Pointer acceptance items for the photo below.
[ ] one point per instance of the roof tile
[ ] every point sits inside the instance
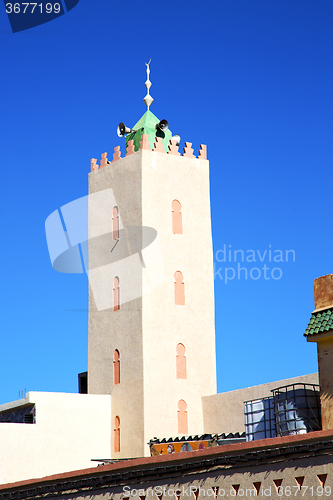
(320, 322)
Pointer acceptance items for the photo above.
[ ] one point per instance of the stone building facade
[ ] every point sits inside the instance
(289, 467)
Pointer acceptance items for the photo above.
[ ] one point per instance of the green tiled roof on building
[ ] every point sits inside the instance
(320, 322)
(147, 125)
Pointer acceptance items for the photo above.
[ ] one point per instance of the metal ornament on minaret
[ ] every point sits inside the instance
(148, 100)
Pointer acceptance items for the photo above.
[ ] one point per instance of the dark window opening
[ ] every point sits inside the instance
(83, 383)
(29, 418)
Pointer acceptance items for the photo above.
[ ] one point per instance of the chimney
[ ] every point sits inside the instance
(323, 291)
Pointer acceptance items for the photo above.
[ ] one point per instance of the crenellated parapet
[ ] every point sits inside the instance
(116, 154)
(173, 149)
(202, 152)
(94, 165)
(188, 151)
(130, 148)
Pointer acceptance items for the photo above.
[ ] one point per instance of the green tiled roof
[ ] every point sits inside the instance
(147, 125)
(320, 322)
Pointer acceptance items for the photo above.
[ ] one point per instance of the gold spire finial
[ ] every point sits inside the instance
(148, 100)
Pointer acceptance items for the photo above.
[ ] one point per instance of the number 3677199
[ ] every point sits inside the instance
(30, 8)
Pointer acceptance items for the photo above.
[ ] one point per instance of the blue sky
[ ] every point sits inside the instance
(253, 81)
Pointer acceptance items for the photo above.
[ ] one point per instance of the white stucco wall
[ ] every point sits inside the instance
(70, 430)
(165, 178)
(147, 330)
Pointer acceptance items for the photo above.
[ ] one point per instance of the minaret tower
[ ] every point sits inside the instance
(151, 286)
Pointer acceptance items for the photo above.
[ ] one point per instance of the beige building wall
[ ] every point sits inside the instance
(70, 431)
(165, 178)
(224, 412)
(122, 329)
(146, 330)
